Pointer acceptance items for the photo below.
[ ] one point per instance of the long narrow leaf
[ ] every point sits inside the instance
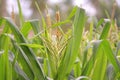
(72, 50)
(28, 52)
(20, 13)
(105, 31)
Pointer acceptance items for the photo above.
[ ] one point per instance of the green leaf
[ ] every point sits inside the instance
(26, 28)
(20, 13)
(98, 61)
(60, 23)
(5, 68)
(32, 45)
(1, 21)
(110, 55)
(43, 20)
(73, 47)
(72, 13)
(107, 14)
(100, 22)
(105, 31)
(91, 30)
(35, 26)
(23, 61)
(77, 69)
(39, 74)
(100, 64)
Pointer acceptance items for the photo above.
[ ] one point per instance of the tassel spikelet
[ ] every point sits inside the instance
(48, 22)
(58, 16)
(57, 31)
(13, 14)
(113, 10)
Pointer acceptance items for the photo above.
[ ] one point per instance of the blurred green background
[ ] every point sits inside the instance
(97, 8)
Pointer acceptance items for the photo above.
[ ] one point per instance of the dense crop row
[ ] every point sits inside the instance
(52, 54)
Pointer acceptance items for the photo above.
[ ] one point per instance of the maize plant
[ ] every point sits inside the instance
(53, 54)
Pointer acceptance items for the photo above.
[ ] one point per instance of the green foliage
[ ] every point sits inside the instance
(73, 45)
(73, 55)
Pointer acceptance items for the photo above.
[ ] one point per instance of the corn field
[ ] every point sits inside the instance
(52, 54)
